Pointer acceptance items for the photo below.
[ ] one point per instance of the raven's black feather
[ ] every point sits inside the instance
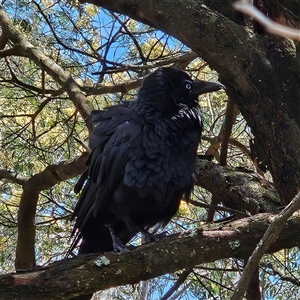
(142, 160)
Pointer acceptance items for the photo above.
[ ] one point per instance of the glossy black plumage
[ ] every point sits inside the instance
(142, 161)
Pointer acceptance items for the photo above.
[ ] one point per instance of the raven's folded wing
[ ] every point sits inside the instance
(114, 142)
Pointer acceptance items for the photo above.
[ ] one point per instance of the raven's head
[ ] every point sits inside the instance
(168, 87)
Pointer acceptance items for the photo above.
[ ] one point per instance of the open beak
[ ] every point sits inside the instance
(201, 87)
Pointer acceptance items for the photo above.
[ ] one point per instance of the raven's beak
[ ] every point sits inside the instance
(200, 87)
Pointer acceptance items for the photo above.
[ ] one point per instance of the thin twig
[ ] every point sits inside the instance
(270, 26)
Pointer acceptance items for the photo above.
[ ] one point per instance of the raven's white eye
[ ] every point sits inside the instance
(188, 86)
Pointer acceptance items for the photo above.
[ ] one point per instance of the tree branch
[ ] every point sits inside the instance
(124, 87)
(181, 279)
(16, 50)
(25, 252)
(269, 25)
(276, 271)
(86, 274)
(13, 177)
(247, 192)
(225, 133)
(267, 240)
(47, 64)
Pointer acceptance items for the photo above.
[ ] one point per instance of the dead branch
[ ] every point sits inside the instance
(269, 25)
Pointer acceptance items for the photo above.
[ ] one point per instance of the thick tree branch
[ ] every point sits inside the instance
(25, 253)
(89, 273)
(236, 189)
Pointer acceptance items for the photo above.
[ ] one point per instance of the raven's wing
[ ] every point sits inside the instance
(114, 141)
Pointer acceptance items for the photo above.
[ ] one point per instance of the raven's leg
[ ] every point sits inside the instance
(117, 243)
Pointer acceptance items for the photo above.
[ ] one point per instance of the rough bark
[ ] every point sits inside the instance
(237, 189)
(260, 73)
(89, 273)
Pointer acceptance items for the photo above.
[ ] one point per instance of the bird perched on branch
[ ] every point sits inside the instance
(142, 162)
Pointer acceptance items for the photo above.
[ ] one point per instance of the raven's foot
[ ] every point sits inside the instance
(118, 245)
(152, 237)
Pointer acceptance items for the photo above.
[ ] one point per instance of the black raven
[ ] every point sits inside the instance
(142, 161)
